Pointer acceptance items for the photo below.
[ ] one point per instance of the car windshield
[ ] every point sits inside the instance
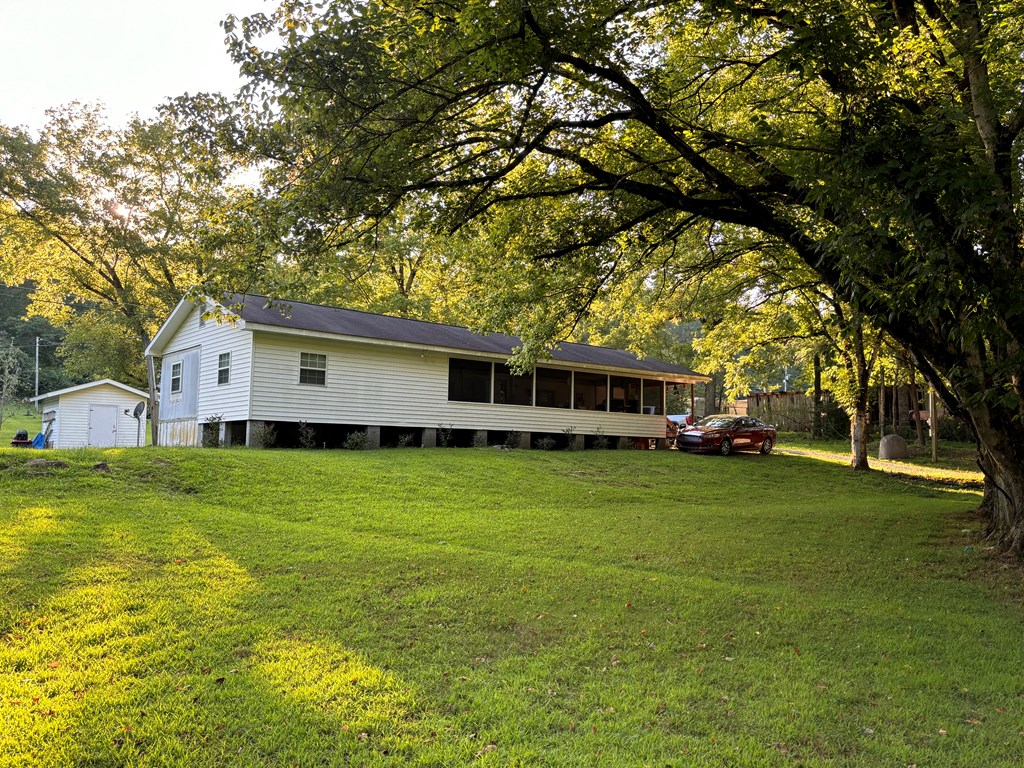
(716, 422)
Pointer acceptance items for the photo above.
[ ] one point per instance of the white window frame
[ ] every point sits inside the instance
(180, 366)
(307, 363)
(224, 366)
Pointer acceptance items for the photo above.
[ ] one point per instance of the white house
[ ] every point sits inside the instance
(101, 414)
(230, 365)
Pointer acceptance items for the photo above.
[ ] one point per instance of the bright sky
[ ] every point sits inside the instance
(128, 54)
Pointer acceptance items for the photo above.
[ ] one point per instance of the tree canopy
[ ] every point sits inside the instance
(878, 141)
(114, 226)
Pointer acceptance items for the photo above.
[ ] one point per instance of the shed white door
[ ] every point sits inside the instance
(102, 426)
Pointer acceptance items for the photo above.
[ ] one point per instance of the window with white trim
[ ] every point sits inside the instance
(312, 368)
(224, 368)
(176, 378)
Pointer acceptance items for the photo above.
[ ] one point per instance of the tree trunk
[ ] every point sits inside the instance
(859, 422)
(154, 401)
(915, 405)
(1003, 502)
(896, 420)
(859, 440)
(816, 421)
(881, 402)
(998, 427)
(709, 396)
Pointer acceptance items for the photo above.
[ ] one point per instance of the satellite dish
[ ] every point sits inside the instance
(139, 409)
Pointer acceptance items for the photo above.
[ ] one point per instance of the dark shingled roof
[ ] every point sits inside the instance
(350, 322)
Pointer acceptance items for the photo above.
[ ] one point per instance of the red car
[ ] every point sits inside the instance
(726, 434)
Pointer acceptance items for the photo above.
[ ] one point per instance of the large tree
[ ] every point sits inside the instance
(879, 141)
(113, 226)
(769, 307)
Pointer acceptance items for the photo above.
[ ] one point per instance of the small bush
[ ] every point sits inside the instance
(356, 441)
(211, 431)
(570, 438)
(600, 442)
(262, 435)
(513, 439)
(307, 435)
(444, 435)
(546, 443)
(407, 440)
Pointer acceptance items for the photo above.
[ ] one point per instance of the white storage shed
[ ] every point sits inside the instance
(100, 414)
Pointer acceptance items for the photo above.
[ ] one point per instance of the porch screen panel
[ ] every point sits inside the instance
(512, 388)
(654, 397)
(625, 394)
(553, 387)
(469, 381)
(590, 391)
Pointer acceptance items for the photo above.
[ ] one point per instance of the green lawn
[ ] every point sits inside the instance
(457, 607)
(952, 454)
(15, 419)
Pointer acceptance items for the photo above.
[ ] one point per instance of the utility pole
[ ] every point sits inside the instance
(37, 374)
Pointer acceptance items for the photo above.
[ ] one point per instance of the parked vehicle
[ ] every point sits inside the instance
(726, 434)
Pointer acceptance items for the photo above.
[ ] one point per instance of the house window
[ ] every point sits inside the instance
(553, 387)
(591, 392)
(312, 369)
(224, 368)
(654, 397)
(625, 394)
(176, 378)
(512, 388)
(469, 381)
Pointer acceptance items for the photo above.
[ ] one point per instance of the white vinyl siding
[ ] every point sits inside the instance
(230, 400)
(375, 384)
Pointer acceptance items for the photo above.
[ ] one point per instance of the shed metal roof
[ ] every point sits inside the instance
(349, 322)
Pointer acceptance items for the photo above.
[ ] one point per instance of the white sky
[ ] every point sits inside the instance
(128, 54)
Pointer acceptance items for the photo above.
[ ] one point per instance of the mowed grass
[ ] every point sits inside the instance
(477, 607)
(17, 419)
(953, 455)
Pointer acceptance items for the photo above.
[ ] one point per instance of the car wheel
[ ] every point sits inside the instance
(766, 446)
(725, 447)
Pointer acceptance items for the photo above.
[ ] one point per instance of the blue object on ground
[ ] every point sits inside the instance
(39, 441)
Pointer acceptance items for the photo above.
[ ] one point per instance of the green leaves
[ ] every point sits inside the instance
(113, 226)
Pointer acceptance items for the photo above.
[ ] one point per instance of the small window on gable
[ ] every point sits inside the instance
(176, 378)
(224, 368)
(312, 369)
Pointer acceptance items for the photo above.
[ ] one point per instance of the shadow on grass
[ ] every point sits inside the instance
(141, 654)
(574, 617)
